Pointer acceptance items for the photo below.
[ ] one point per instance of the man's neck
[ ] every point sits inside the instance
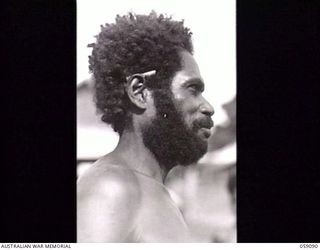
(132, 151)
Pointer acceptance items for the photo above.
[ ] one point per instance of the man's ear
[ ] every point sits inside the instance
(137, 92)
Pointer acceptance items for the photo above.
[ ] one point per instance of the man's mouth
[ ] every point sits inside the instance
(205, 123)
(204, 126)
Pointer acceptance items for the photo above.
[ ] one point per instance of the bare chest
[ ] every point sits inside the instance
(159, 219)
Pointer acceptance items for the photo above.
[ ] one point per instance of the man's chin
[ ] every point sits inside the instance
(204, 134)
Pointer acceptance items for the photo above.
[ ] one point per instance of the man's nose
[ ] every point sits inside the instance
(206, 108)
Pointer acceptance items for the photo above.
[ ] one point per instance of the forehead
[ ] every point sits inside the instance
(189, 71)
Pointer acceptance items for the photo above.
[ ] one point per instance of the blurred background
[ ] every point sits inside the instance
(205, 192)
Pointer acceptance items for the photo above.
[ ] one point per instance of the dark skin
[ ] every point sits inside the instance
(122, 197)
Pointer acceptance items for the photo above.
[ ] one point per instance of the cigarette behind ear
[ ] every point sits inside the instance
(150, 73)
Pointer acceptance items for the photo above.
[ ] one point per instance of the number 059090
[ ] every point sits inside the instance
(308, 245)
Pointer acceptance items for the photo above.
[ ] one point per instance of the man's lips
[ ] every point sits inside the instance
(205, 126)
(205, 123)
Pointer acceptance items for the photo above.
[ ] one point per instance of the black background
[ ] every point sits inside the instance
(39, 94)
(277, 121)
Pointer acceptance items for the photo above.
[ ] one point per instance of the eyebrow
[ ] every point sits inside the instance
(196, 81)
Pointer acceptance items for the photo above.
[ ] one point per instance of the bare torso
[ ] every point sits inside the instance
(119, 204)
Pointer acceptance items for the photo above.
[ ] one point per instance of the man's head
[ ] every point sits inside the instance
(166, 108)
(134, 44)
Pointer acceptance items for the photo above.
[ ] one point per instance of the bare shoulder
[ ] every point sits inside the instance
(108, 180)
(108, 198)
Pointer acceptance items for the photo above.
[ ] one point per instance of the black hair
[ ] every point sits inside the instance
(134, 44)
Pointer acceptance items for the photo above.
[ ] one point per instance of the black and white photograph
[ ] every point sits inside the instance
(136, 121)
(156, 121)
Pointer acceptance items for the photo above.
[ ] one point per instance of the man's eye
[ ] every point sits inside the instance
(194, 89)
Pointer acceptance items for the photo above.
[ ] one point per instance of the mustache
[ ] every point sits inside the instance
(203, 123)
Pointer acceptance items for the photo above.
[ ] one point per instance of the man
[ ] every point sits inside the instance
(149, 88)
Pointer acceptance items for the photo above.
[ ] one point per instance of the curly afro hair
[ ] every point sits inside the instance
(134, 44)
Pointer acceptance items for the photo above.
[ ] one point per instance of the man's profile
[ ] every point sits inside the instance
(149, 88)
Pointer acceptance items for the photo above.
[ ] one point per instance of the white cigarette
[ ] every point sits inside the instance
(150, 73)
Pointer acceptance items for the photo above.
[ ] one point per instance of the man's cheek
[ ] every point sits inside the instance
(189, 122)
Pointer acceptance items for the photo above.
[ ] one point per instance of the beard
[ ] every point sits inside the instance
(168, 137)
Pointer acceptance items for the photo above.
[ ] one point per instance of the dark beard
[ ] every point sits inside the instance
(168, 138)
